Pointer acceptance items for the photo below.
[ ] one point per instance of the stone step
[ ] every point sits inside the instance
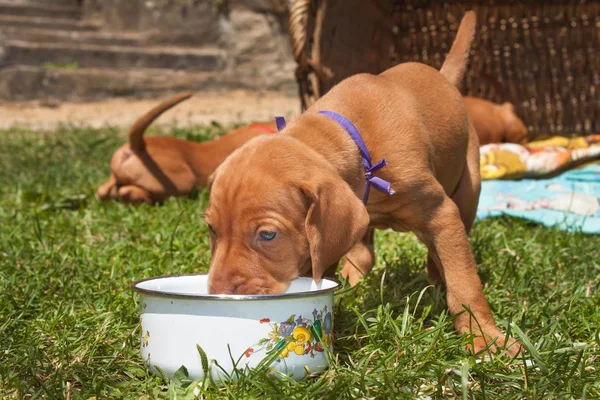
(70, 36)
(23, 83)
(39, 9)
(16, 21)
(99, 56)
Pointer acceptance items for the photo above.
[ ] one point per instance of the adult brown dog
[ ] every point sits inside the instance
(287, 205)
(495, 123)
(153, 169)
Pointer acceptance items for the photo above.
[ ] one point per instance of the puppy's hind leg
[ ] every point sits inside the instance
(443, 232)
(466, 198)
(446, 238)
(134, 195)
(466, 195)
(360, 259)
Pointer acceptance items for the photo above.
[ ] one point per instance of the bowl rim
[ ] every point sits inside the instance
(229, 297)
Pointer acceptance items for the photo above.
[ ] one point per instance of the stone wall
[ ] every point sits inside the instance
(253, 33)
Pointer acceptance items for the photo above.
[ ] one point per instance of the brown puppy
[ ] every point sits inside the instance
(153, 169)
(495, 123)
(290, 204)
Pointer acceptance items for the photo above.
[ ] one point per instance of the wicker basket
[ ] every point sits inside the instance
(543, 56)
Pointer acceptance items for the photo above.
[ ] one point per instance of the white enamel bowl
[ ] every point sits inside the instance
(177, 315)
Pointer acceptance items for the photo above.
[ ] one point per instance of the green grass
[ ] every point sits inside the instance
(69, 322)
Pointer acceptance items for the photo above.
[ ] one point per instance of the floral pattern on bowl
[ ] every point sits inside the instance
(297, 335)
(145, 339)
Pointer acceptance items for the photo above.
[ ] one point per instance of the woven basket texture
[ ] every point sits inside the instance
(543, 56)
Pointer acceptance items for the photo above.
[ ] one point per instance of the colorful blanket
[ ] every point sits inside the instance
(537, 159)
(569, 201)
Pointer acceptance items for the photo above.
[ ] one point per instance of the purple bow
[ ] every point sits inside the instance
(379, 184)
(280, 122)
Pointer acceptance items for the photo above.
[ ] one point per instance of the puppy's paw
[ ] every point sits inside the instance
(108, 191)
(358, 262)
(351, 272)
(494, 341)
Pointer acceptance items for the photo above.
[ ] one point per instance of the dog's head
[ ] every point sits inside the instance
(278, 210)
(515, 130)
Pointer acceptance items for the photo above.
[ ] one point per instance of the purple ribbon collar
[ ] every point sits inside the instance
(379, 184)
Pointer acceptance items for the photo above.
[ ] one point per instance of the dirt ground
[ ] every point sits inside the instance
(224, 107)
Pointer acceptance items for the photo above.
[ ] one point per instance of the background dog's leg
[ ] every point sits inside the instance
(108, 190)
(134, 194)
(360, 259)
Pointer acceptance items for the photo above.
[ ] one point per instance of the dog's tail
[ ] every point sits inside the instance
(136, 132)
(454, 65)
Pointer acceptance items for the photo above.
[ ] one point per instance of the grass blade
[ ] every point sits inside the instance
(530, 348)
(464, 379)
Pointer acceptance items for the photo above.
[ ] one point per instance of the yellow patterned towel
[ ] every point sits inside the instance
(540, 158)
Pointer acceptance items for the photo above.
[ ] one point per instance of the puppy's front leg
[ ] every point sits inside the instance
(445, 236)
(360, 259)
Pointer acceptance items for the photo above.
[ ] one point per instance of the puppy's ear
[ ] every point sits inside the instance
(336, 220)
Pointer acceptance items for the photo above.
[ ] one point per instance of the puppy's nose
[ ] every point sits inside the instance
(223, 286)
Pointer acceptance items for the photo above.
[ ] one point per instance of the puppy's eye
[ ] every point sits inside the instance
(266, 235)
(211, 229)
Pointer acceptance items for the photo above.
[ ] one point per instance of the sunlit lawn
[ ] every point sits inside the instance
(69, 321)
